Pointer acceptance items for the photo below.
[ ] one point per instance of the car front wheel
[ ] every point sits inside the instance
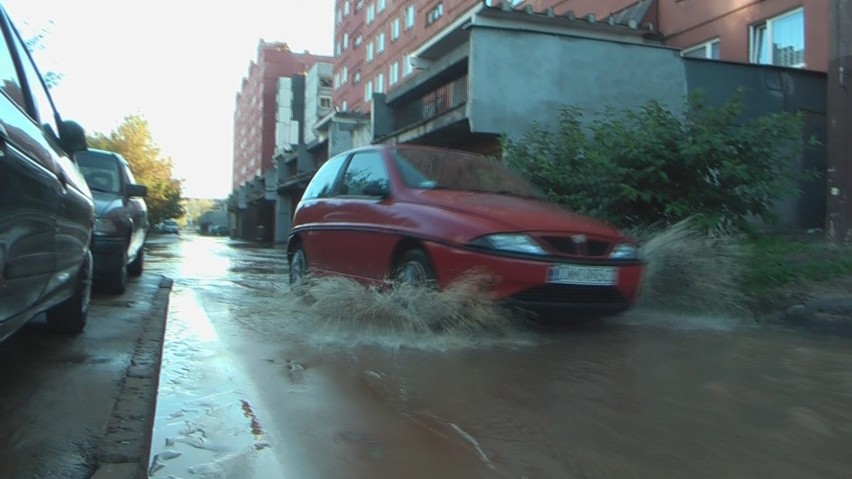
(137, 265)
(70, 315)
(298, 267)
(415, 269)
(116, 280)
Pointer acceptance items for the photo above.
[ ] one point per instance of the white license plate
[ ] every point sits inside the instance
(587, 275)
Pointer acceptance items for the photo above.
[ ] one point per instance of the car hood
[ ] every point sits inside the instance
(511, 213)
(105, 202)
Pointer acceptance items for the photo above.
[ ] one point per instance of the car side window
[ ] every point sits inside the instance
(9, 82)
(365, 169)
(44, 112)
(322, 185)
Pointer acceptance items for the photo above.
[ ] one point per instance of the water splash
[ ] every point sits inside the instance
(340, 310)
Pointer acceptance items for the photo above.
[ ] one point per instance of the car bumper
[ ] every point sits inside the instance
(108, 254)
(522, 283)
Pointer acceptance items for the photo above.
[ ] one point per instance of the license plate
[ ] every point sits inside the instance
(586, 275)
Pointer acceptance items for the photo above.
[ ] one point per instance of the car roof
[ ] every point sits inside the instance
(97, 152)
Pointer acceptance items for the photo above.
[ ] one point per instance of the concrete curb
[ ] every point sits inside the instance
(124, 449)
(831, 315)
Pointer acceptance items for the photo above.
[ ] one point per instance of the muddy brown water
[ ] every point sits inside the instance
(345, 387)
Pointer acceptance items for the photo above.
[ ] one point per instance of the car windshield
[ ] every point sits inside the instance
(100, 171)
(426, 168)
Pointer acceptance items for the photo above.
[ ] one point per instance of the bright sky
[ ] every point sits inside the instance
(179, 63)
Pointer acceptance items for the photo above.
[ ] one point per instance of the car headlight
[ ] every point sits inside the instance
(625, 252)
(104, 226)
(515, 243)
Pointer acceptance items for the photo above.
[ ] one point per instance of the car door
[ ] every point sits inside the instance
(74, 217)
(316, 202)
(359, 240)
(30, 191)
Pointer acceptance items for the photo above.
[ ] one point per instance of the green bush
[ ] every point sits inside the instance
(646, 166)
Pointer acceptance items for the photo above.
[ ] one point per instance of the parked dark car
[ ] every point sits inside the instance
(121, 217)
(46, 209)
(428, 215)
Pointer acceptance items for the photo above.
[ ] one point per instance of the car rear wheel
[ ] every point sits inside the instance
(116, 280)
(137, 265)
(298, 267)
(414, 268)
(70, 315)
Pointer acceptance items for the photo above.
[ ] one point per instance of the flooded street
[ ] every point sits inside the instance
(257, 382)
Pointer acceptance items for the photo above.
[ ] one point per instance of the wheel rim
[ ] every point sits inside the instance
(412, 273)
(297, 267)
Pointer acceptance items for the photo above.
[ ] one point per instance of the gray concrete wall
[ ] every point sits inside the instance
(517, 77)
(770, 90)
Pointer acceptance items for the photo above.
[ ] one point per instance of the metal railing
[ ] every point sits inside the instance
(431, 105)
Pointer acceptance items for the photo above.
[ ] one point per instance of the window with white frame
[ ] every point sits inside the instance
(368, 92)
(358, 41)
(395, 28)
(339, 15)
(344, 75)
(345, 41)
(337, 49)
(708, 50)
(409, 17)
(434, 14)
(371, 12)
(380, 83)
(356, 78)
(407, 67)
(370, 52)
(393, 73)
(382, 5)
(347, 6)
(336, 81)
(780, 40)
(380, 43)
(344, 106)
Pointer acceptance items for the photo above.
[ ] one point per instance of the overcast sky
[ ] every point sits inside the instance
(179, 63)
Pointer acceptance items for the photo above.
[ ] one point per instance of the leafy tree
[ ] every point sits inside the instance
(36, 42)
(132, 139)
(647, 166)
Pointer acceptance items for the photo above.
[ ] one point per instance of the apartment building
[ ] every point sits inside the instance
(256, 107)
(267, 119)
(374, 39)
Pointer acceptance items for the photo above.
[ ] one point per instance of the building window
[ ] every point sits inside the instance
(395, 29)
(380, 43)
(344, 106)
(345, 41)
(382, 5)
(325, 102)
(339, 16)
(380, 83)
(409, 17)
(371, 12)
(337, 49)
(370, 52)
(708, 50)
(344, 75)
(433, 15)
(336, 81)
(368, 92)
(347, 5)
(780, 40)
(358, 41)
(356, 78)
(393, 73)
(407, 67)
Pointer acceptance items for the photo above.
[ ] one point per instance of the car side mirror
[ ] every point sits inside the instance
(72, 136)
(377, 188)
(137, 190)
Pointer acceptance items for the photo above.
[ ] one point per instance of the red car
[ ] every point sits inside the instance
(425, 214)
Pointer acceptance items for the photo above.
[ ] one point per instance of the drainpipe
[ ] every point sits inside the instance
(839, 123)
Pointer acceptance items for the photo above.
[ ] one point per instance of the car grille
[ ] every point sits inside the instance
(570, 294)
(568, 246)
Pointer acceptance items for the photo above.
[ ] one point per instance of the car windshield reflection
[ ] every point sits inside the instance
(427, 169)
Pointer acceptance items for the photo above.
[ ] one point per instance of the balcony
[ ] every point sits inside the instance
(434, 103)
